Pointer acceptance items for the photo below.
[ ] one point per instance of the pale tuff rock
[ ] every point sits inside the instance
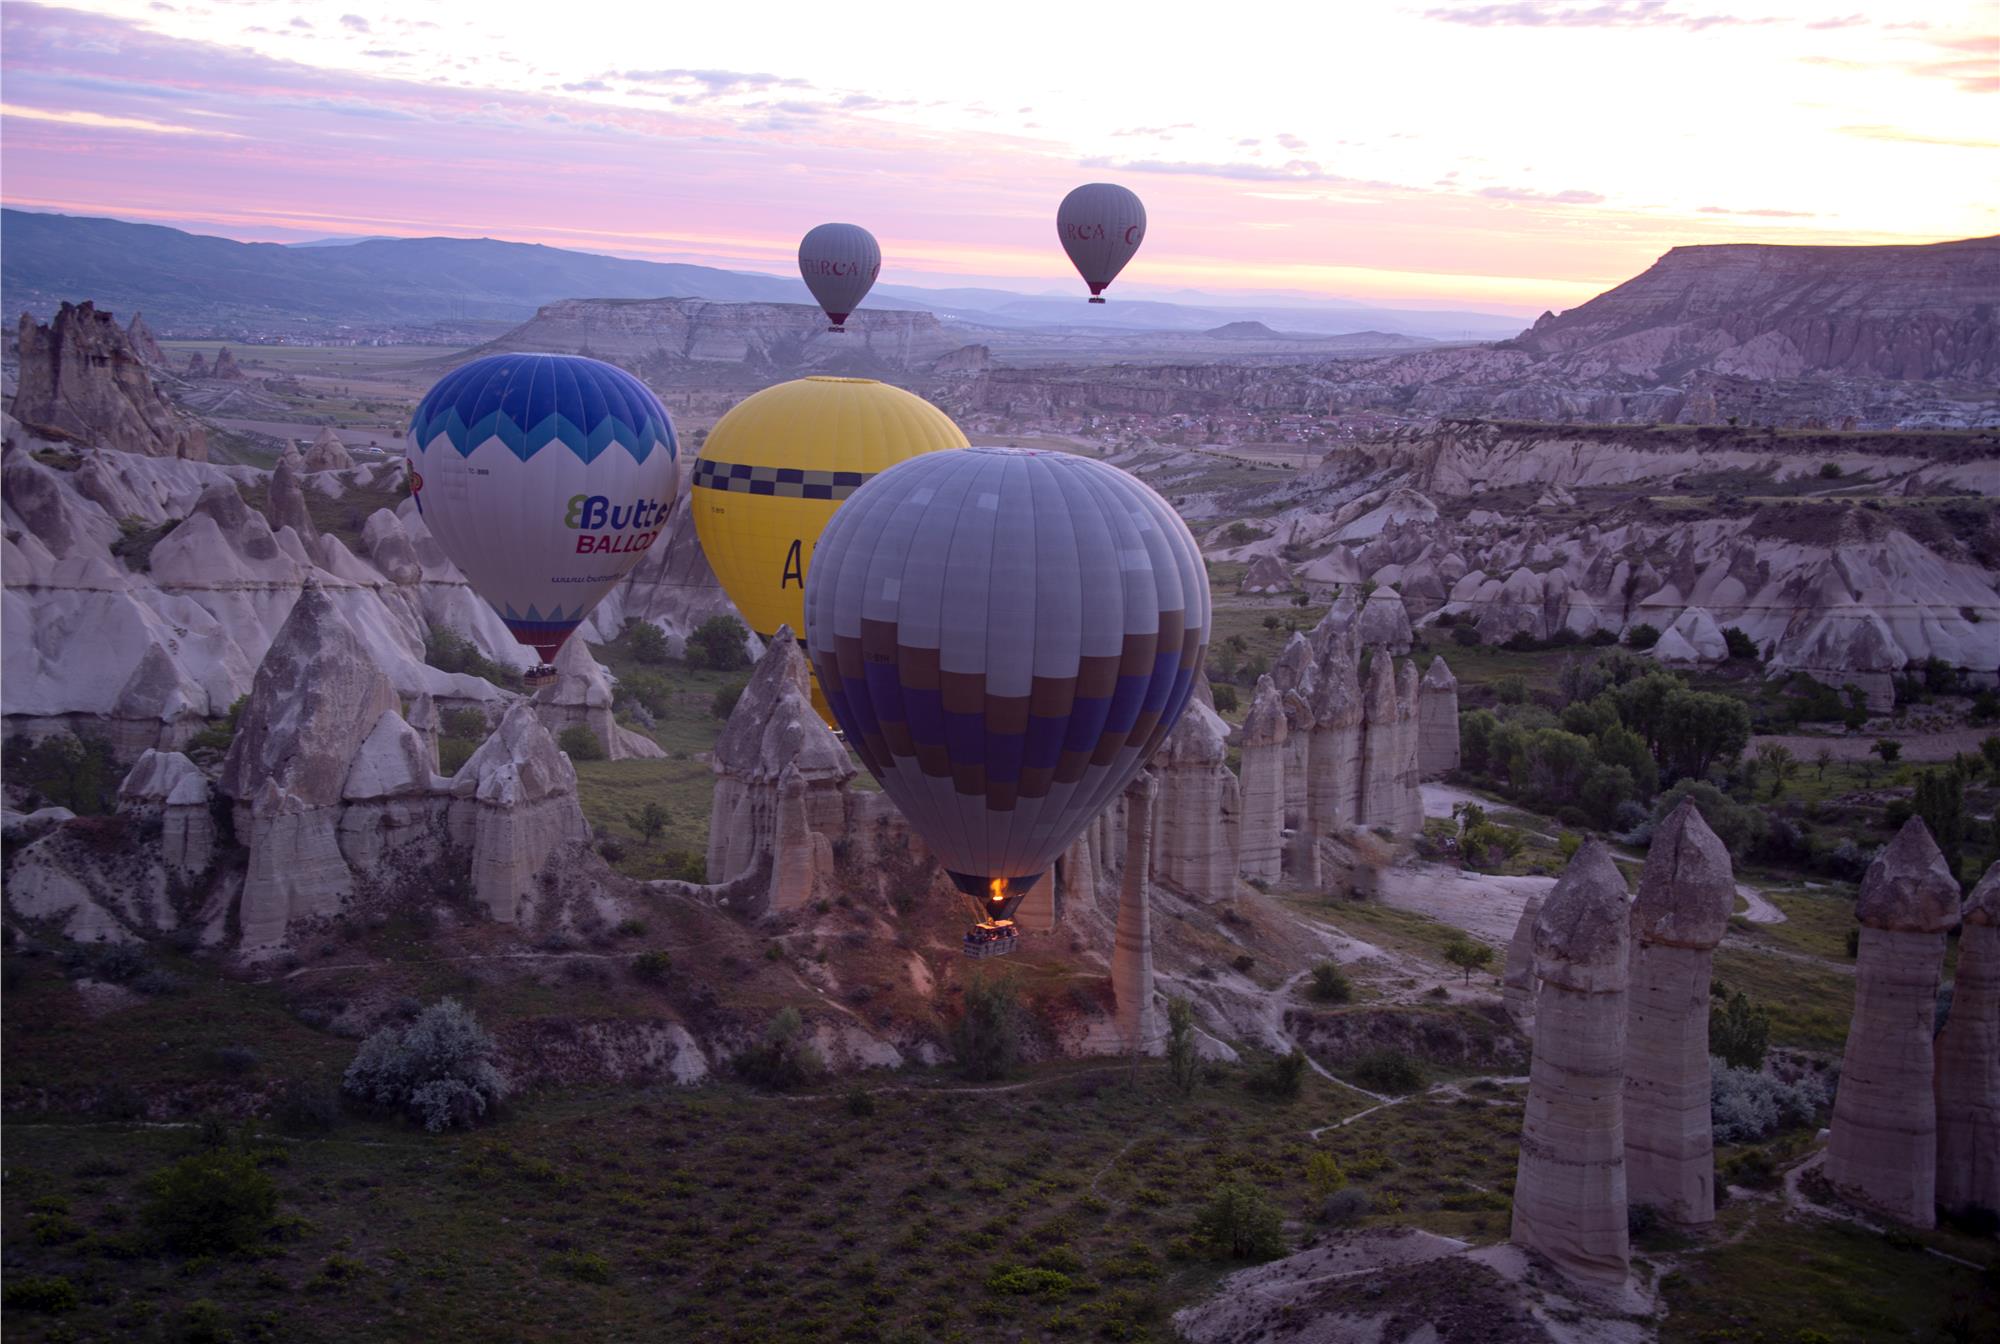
(582, 695)
(81, 379)
(328, 453)
(1260, 832)
(1076, 876)
(515, 808)
(1437, 721)
(91, 896)
(1334, 755)
(226, 367)
(1383, 623)
(1968, 1061)
(772, 728)
(1569, 1192)
(429, 725)
(1885, 1141)
(653, 336)
(1267, 574)
(316, 697)
(1409, 799)
(389, 548)
(1194, 850)
(1686, 894)
(1693, 638)
(799, 854)
(171, 788)
(144, 344)
(287, 507)
(1296, 675)
(395, 803)
(1132, 948)
(1518, 980)
(1381, 744)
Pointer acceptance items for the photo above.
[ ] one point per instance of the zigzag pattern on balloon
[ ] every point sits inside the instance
(528, 402)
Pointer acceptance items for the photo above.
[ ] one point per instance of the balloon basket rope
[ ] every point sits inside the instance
(542, 674)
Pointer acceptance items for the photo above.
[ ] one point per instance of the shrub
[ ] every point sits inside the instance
(449, 651)
(646, 642)
(1468, 955)
(307, 1107)
(1324, 1176)
(718, 643)
(1329, 983)
(860, 1102)
(987, 1036)
(235, 1059)
(1466, 635)
(1737, 826)
(1642, 636)
(1183, 1066)
(439, 1069)
(1343, 1207)
(1240, 1224)
(1388, 1070)
(1024, 1281)
(79, 773)
(1283, 1077)
(583, 1266)
(1739, 1032)
(1747, 1105)
(1829, 471)
(783, 1059)
(581, 744)
(723, 702)
(652, 966)
(218, 736)
(52, 1294)
(684, 866)
(1226, 700)
(203, 1322)
(211, 1201)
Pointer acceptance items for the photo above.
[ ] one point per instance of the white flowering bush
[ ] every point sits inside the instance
(439, 1069)
(1746, 1105)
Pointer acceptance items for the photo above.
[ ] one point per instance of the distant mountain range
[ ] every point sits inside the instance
(193, 284)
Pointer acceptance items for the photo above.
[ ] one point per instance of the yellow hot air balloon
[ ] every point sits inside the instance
(776, 467)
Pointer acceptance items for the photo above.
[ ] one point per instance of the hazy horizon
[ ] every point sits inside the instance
(1505, 158)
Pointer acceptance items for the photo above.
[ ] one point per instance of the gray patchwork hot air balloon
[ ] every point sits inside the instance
(1101, 225)
(839, 263)
(1006, 636)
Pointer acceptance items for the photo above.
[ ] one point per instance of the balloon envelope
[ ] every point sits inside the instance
(1006, 636)
(777, 466)
(544, 478)
(1101, 225)
(839, 263)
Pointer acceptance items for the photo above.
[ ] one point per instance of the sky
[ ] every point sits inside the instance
(1509, 157)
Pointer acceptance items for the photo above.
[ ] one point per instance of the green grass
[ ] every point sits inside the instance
(1816, 922)
(1809, 1005)
(1383, 925)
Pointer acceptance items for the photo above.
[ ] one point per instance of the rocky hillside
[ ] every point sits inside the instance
(667, 340)
(1758, 311)
(1860, 336)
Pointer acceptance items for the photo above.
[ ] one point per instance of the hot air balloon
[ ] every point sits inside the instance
(839, 263)
(545, 478)
(1006, 635)
(775, 468)
(1101, 225)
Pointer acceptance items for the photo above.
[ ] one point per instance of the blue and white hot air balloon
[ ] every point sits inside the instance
(545, 478)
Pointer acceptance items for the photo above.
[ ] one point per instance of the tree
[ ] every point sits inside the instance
(1739, 1032)
(1240, 1224)
(1323, 1176)
(1738, 827)
(440, 1069)
(1740, 644)
(1642, 704)
(1776, 761)
(78, 773)
(717, 643)
(1822, 759)
(212, 1201)
(1468, 956)
(1699, 730)
(1183, 1065)
(1940, 801)
(987, 1036)
(1888, 749)
(648, 645)
(649, 821)
(723, 703)
(580, 743)
(1642, 636)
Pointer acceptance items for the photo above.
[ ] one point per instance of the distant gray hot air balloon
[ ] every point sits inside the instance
(1101, 225)
(839, 263)
(1006, 636)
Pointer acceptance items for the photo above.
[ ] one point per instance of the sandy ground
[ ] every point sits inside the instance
(1938, 746)
(1485, 906)
(388, 440)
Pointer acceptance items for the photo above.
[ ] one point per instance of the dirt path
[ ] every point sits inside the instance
(1933, 746)
(1761, 910)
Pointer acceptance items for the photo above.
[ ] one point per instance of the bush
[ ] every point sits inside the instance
(1389, 1071)
(211, 1201)
(218, 736)
(652, 966)
(79, 773)
(1740, 644)
(235, 1059)
(307, 1107)
(439, 1070)
(1240, 1224)
(1226, 700)
(717, 643)
(1329, 984)
(646, 642)
(783, 1059)
(1748, 1105)
(449, 651)
(52, 1294)
(583, 1266)
(987, 1036)
(1343, 1207)
(581, 744)
(1642, 636)
(860, 1102)
(1024, 1281)
(1323, 1175)
(723, 702)
(1739, 827)
(203, 1322)
(1283, 1077)
(1466, 636)
(1829, 471)
(1183, 1065)
(1739, 1032)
